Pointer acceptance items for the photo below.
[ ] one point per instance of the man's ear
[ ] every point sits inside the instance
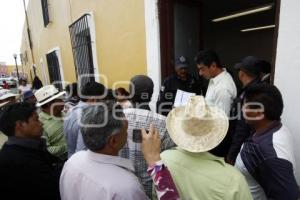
(19, 125)
(113, 142)
(241, 74)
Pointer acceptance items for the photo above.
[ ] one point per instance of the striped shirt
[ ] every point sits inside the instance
(268, 163)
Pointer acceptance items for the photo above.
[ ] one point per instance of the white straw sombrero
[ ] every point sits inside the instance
(47, 94)
(4, 95)
(3, 104)
(197, 127)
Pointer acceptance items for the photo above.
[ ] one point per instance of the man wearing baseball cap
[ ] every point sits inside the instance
(249, 74)
(29, 97)
(181, 80)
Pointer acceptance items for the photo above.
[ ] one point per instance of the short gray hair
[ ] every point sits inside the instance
(99, 122)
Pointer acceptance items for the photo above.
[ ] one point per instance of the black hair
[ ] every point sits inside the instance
(110, 95)
(21, 80)
(72, 89)
(91, 89)
(46, 105)
(122, 91)
(207, 57)
(269, 96)
(141, 89)
(36, 83)
(12, 113)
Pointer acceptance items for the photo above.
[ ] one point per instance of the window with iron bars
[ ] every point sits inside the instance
(82, 49)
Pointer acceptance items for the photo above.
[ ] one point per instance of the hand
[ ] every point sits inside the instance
(151, 145)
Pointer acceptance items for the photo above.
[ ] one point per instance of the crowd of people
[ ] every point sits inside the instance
(91, 142)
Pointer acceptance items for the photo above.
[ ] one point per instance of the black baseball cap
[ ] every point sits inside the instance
(181, 62)
(27, 94)
(249, 64)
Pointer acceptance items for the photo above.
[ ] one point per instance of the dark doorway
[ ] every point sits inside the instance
(187, 26)
(187, 43)
(54, 71)
(180, 32)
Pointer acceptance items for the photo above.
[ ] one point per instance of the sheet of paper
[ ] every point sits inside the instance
(182, 98)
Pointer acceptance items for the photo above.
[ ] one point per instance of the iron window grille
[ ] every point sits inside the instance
(82, 49)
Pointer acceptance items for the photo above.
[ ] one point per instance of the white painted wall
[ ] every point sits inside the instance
(91, 21)
(153, 47)
(287, 70)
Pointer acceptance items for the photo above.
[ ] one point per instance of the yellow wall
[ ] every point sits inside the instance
(8, 69)
(12, 68)
(25, 50)
(56, 34)
(120, 35)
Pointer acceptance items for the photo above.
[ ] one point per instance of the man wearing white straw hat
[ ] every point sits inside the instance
(6, 98)
(197, 128)
(49, 99)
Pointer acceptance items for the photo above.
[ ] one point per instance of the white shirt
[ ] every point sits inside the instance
(221, 91)
(3, 139)
(256, 190)
(24, 88)
(92, 176)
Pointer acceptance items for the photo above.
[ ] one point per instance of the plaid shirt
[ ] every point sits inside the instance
(138, 119)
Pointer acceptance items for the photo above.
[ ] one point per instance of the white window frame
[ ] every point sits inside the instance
(44, 72)
(91, 22)
(153, 46)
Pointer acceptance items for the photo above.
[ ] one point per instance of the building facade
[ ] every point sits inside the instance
(70, 38)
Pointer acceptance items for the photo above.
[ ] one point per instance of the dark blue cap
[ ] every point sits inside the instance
(181, 62)
(250, 64)
(27, 94)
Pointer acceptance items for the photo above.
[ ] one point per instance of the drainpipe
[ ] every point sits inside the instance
(29, 38)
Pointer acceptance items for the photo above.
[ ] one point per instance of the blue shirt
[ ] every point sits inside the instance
(71, 127)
